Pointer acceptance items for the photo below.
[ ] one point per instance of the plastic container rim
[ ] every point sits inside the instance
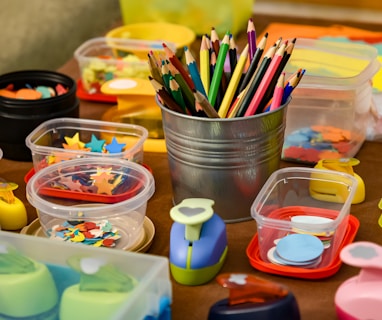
(65, 122)
(41, 204)
(287, 225)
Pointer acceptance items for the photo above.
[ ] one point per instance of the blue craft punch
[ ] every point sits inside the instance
(198, 242)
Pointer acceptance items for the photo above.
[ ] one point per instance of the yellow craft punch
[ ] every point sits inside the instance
(13, 214)
(136, 104)
(322, 188)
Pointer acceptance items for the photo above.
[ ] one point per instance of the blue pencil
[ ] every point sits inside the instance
(194, 72)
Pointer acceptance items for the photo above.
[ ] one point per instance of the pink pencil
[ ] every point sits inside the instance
(269, 74)
(278, 93)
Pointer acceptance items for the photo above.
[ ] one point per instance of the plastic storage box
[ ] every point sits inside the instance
(75, 200)
(102, 59)
(308, 203)
(328, 115)
(68, 138)
(150, 298)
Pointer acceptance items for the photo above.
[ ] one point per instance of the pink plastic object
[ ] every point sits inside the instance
(360, 297)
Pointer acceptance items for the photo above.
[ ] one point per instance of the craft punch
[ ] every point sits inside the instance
(251, 297)
(323, 189)
(360, 297)
(198, 242)
(13, 214)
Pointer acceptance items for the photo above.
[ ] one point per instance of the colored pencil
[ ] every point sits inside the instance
(292, 84)
(204, 57)
(267, 98)
(178, 65)
(193, 70)
(219, 70)
(166, 74)
(269, 92)
(232, 53)
(251, 35)
(166, 99)
(288, 52)
(202, 101)
(187, 92)
(233, 84)
(267, 78)
(177, 94)
(215, 41)
(255, 80)
(236, 104)
(154, 68)
(254, 63)
(278, 92)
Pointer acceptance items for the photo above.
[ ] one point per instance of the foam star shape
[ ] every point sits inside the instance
(114, 146)
(75, 146)
(95, 145)
(104, 187)
(75, 139)
(70, 184)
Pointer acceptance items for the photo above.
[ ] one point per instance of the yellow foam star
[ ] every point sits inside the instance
(74, 140)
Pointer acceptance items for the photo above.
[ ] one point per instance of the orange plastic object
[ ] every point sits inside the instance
(255, 260)
(248, 288)
(99, 97)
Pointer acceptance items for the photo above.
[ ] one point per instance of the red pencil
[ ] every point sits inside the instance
(266, 80)
(178, 65)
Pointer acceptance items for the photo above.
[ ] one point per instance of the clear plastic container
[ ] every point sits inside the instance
(49, 141)
(304, 201)
(102, 59)
(330, 108)
(151, 298)
(83, 195)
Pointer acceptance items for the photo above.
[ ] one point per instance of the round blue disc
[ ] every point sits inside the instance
(299, 247)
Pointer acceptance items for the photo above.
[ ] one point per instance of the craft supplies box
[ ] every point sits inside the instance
(102, 59)
(151, 298)
(46, 142)
(329, 112)
(304, 201)
(18, 117)
(112, 194)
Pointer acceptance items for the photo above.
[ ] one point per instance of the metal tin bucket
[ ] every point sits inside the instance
(226, 160)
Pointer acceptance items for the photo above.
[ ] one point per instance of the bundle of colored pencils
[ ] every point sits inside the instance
(254, 83)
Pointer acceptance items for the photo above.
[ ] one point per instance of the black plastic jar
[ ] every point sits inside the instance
(19, 117)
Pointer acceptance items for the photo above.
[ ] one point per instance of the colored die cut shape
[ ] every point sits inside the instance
(95, 145)
(114, 146)
(299, 248)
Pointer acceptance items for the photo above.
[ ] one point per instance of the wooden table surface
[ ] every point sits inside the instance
(315, 297)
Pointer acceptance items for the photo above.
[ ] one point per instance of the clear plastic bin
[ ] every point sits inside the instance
(151, 297)
(75, 200)
(330, 108)
(304, 201)
(49, 141)
(102, 59)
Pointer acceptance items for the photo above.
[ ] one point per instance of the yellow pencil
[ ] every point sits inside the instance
(233, 83)
(204, 57)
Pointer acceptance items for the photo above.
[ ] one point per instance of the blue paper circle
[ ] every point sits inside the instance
(299, 248)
